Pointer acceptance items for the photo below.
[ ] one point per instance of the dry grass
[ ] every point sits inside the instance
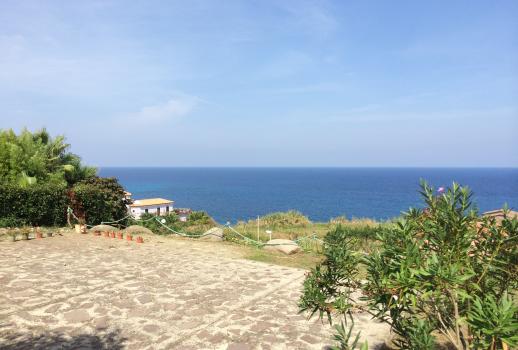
(303, 260)
(257, 229)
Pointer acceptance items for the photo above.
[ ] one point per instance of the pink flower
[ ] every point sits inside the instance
(440, 190)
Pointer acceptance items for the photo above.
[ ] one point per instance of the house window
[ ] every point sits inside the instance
(167, 209)
(158, 211)
(146, 211)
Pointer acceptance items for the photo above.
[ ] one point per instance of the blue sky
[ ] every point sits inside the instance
(266, 83)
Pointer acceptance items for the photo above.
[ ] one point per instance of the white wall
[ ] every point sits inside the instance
(152, 209)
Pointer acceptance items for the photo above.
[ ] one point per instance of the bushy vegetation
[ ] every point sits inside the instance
(290, 218)
(198, 222)
(11, 221)
(439, 273)
(40, 178)
(98, 199)
(37, 205)
(304, 230)
(149, 221)
(30, 158)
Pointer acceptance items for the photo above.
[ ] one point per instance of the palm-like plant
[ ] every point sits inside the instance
(29, 157)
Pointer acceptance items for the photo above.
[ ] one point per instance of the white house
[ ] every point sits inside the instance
(157, 206)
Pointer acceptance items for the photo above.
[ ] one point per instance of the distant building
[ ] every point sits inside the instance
(156, 206)
(183, 214)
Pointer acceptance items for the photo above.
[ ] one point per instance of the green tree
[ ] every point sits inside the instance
(29, 158)
(98, 199)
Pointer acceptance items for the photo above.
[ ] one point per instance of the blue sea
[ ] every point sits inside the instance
(231, 194)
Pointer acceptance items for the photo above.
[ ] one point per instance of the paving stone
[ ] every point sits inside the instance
(179, 294)
(53, 308)
(25, 315)
(151, 328)
(101, 322)
(309, 339)
(77, 316)
(144, 299)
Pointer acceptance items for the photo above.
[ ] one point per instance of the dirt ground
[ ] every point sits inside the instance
(81, 291)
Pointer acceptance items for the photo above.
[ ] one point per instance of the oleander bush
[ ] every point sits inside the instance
(439, 273)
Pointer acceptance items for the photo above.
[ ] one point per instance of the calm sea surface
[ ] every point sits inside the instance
(231, 194)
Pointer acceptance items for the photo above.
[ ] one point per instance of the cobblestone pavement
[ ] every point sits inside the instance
(81, 291)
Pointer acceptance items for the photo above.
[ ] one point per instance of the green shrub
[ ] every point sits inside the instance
(290, 218)
(197, 223)
(12, 222)
(99, 199)
(438, 271)
(171, 221)
(199, 218)
(148, 220)
(37, 205)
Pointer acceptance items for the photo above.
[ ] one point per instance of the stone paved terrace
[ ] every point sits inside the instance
(81, 291)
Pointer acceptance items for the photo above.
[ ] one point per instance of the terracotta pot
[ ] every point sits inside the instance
(119, 235)
(140, 239)
(112, 234)
(129, 237)
(106, 234)
(39, 235)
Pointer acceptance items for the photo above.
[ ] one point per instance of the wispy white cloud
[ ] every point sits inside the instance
(175, 108)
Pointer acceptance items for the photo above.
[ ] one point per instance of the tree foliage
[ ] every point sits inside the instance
(40, 178)
(29, 158)
(442, 271)
(98, 199)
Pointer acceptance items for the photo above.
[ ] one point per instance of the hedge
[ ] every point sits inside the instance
(37, 205)
(95, 200)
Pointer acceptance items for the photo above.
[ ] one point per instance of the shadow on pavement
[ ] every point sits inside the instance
(102, 340)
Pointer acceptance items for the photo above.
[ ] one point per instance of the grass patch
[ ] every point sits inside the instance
(300, 260)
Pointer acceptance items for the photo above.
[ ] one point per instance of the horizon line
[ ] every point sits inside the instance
(304, 167)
